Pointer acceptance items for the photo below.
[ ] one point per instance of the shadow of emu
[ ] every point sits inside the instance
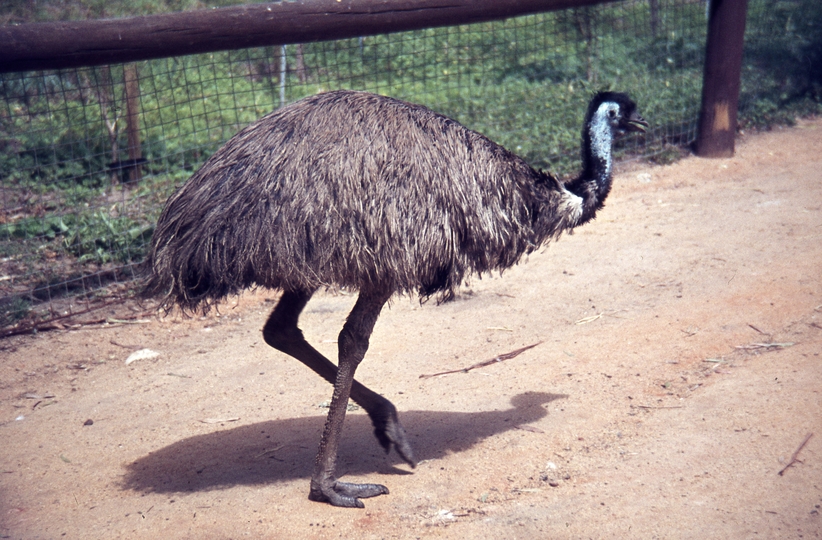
(281, 450)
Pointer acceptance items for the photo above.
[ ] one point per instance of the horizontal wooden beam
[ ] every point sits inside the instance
(66, 44)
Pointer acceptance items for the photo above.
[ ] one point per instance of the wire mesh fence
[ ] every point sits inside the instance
(89, 155)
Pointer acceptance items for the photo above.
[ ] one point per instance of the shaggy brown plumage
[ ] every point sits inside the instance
(351, 188)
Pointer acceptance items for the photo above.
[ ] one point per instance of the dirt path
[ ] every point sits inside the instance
(637, 417)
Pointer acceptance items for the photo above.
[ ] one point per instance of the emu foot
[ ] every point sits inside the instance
(389, 432)
(343, 493)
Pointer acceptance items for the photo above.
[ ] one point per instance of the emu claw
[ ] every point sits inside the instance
(389, 432)
(344, 494)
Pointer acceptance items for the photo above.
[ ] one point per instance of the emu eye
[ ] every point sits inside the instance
(612, 113)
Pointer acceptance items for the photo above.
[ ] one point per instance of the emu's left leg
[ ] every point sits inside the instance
(282, 333)
(352, 344)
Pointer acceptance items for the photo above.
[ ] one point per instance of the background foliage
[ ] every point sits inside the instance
(73, 225)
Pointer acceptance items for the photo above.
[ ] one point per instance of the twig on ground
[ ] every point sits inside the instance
(130, 347)
(769, 346)
(130, 320)
(758, 330)
(592, 318)
(795, 454)
(219, 420)
(500, 358)
(532, 429)
(270, 451)
(652, 407)
(54, 322)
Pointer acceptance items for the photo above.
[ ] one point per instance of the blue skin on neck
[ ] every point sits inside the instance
(600, 137)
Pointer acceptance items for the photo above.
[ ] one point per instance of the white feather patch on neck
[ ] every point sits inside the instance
(601, 135)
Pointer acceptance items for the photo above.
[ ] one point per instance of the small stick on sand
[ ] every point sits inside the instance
(758, 330)
(500, 358)
(793, 457)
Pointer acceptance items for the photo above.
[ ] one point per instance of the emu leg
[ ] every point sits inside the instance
(282, 333)
(353, 343)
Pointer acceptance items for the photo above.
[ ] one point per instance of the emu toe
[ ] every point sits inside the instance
(390, 433)
(343, 493)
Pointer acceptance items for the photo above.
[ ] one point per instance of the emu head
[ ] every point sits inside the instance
(610, 114)
(615, 112)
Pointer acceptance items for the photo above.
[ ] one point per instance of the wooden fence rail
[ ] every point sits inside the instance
(67, 44)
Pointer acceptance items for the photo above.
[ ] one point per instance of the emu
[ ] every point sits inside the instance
(364, 192)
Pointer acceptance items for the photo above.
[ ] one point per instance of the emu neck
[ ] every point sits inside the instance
(596, 151)
(594, 184)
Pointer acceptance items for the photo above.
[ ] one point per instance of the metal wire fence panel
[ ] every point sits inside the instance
(89, 155)
(782, 69)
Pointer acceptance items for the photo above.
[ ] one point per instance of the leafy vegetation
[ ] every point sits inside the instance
(72, 208)
(782, 73)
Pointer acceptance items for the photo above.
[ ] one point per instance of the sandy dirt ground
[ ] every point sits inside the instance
(677, 373)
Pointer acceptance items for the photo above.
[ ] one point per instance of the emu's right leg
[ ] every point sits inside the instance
(282, 333)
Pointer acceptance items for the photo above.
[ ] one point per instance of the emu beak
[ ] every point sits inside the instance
(637, 123)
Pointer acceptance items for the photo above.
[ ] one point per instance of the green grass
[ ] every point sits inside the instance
(524, 83)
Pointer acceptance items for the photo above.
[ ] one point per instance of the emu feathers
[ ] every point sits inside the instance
(350, 189)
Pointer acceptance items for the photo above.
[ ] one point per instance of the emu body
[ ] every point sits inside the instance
(364, 192)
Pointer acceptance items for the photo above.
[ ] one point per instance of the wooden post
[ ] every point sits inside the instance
(301, 72)
(654, 4)
(283, 66)
(721, 79)
(132, 95)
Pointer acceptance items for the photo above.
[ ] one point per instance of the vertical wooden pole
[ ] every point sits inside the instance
(301, 73)
(283, 67)
(721, 79)
(133, 122)
(654, 4)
